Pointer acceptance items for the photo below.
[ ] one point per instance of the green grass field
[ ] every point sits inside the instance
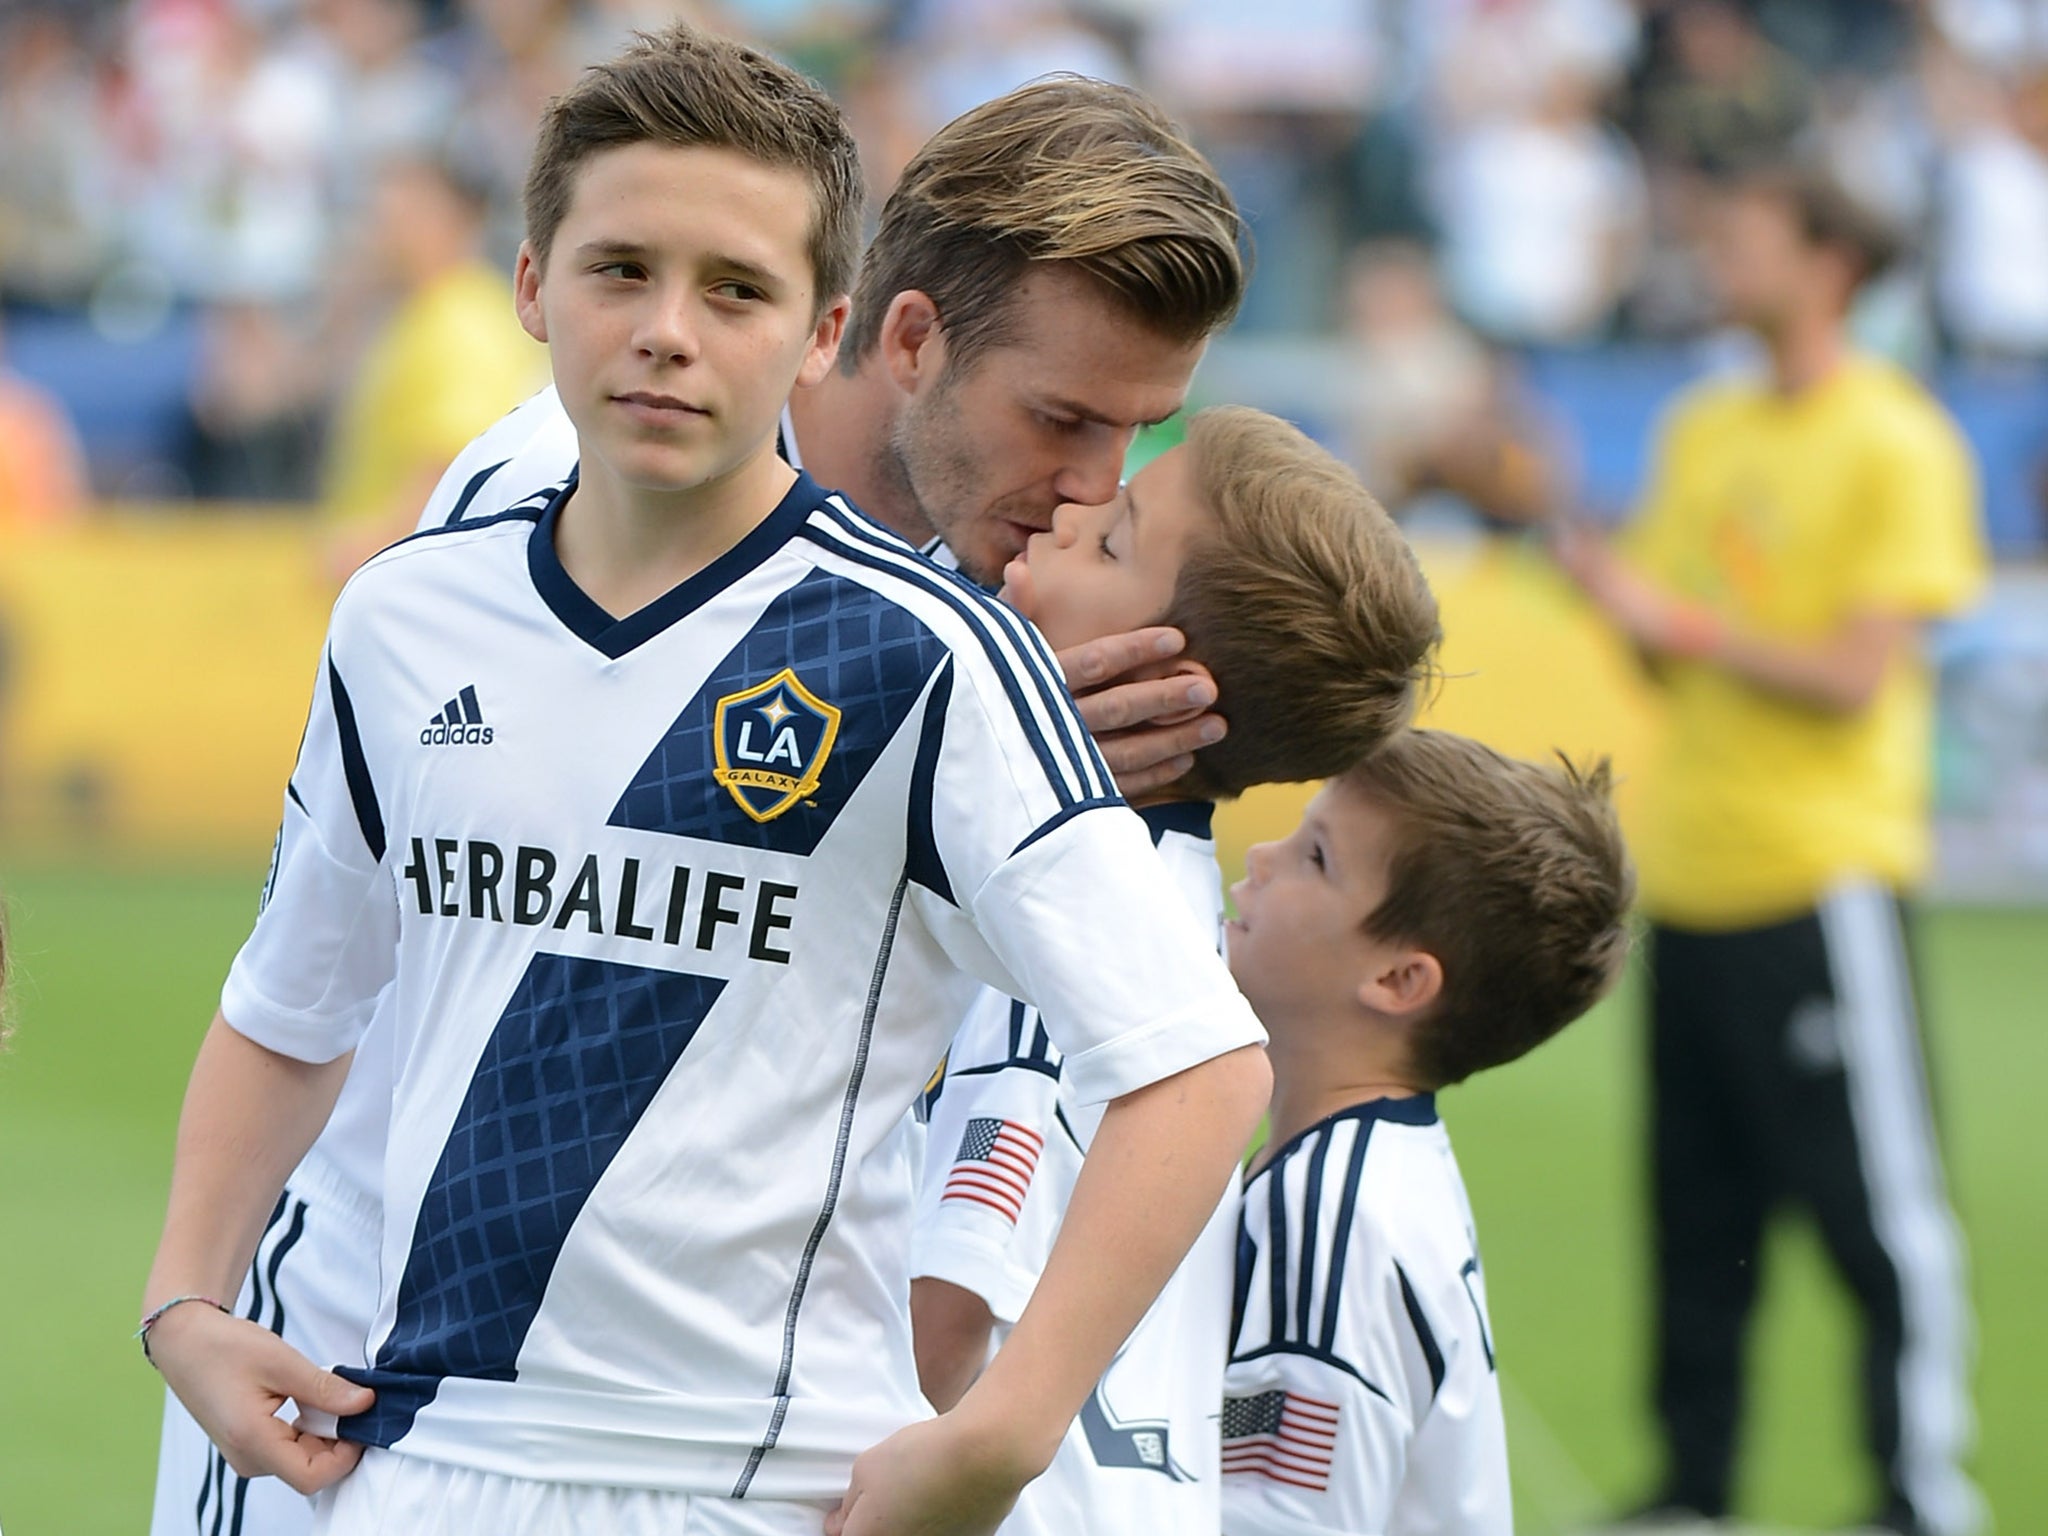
(117, 976)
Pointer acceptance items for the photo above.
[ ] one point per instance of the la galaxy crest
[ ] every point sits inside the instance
(772, 743)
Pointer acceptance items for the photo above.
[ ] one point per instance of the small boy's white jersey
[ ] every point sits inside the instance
(1361, 1396)
(674, 910)
(1007, 1136)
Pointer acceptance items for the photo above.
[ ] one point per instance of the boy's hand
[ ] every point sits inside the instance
(233, 1376)
(938, 1478)
(1121, 715)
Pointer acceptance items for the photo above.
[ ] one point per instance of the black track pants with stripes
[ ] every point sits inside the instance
(1787, 1074)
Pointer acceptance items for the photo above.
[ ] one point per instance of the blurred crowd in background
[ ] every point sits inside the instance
(240, 239)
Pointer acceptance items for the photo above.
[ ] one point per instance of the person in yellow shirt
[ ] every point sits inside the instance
(1798, 533)
(450, 359)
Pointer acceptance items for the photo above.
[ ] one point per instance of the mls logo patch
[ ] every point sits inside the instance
(772, 743)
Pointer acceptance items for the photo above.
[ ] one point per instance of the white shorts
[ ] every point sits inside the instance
(314, 1283)
(390, 1493)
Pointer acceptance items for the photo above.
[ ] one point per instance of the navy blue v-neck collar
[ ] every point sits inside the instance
(584, 618)
(1194, 818)
(1413, 1109)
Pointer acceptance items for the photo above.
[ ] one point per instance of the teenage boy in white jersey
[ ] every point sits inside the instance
(1300, 599)
(1441, 909)
(1130, 241)
(645, 1191)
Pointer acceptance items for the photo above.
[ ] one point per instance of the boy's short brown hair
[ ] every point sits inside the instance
(1305, 604)
(1514, 876)
(1067, 169)
(691, 89)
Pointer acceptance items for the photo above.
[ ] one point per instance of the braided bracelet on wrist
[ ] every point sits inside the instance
(152, 1318)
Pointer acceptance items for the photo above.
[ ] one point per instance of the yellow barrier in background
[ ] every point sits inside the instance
(156, 674)
(1527, 669)
(155, 668)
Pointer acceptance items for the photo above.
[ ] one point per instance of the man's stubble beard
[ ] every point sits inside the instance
(924, 465)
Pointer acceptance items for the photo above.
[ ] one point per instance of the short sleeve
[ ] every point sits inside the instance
(1037, 879)
(998, 1164)
(1920, 546)
(325, 943)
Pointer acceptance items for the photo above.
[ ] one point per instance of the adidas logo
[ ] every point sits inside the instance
(459, 724)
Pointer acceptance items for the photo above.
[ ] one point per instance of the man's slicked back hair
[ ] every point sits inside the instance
(1305, 604)
(1514, 876)
(1090, 176)
(689, 89)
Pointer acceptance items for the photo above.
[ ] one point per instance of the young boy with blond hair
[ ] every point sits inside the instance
(1304, 607)
(665, 939)
(1441, 909)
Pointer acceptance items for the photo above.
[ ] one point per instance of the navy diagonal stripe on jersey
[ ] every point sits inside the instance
(1340, 1240)
(848, 542)
(867, 656)
(573, 1063)
(1311, 1212)
(1024, 637)
(1074, 769)
(355, 767)
(469, 490)
(921, 857)
(528, 511)
(1425, 1336)
(1029, 643)
(1276, 1272)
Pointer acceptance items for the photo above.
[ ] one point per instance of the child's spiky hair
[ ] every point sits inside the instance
(1305, 604)
(1514, 876)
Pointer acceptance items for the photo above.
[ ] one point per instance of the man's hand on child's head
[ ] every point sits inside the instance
(949, 1476)
(1120, 714)
(233, 1376)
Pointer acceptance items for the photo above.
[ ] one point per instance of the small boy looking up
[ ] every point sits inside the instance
(1440, 910)
(1303, 605)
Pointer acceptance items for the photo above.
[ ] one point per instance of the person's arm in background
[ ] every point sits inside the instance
(1916, 553)
(1837, 673)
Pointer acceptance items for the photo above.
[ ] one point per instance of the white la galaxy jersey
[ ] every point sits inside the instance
(522, 460)
(1361, 1396)
(673, 911)
(1007, 1133)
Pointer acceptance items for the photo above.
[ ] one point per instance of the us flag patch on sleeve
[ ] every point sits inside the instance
(994, 1165)
(1280, 1435)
